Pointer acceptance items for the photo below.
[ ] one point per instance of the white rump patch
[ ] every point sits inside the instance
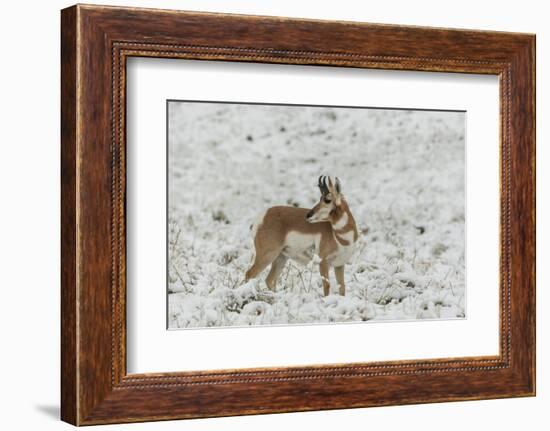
(257, 223)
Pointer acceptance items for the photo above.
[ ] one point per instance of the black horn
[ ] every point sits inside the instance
(323, 185)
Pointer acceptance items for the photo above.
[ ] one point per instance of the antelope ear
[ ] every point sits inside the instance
(338, 189)
(338, 185)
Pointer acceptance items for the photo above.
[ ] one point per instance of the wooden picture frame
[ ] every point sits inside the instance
(95, 43)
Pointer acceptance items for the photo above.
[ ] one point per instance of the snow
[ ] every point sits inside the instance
(402, 174)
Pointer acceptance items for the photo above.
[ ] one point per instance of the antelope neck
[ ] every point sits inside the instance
(343, 226)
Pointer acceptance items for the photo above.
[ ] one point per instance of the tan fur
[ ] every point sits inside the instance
(285, 232)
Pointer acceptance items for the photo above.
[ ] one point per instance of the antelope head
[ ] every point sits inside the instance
(329, 202)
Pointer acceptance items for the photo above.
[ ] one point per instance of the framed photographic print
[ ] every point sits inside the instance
(325, 214)
(410, 265)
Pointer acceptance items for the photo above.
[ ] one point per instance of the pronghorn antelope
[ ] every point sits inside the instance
(328, 230)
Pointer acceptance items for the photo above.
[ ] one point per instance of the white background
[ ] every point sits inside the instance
(29, 221)
(152, 349)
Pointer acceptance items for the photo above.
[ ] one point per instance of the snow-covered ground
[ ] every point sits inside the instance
(402, 173)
